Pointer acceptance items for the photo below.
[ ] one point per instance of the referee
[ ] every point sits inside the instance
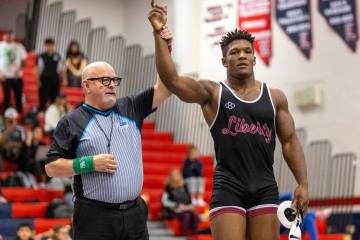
(99, 143)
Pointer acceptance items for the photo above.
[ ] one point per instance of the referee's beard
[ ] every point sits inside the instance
(108, 102)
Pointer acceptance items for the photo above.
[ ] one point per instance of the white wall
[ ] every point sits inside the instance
(120, 17)
(9, 10)
(138, 29)
(107, 13)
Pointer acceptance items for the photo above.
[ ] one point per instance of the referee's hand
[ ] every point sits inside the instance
(105, 163)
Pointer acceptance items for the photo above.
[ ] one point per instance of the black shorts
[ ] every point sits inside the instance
(245, 203)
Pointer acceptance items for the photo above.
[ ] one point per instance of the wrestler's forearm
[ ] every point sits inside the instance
(164, 63)
(295, 159)
(60, 168)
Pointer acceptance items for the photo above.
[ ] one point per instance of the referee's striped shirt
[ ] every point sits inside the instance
(87, 131)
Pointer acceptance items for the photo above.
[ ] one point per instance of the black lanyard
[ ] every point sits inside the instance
(102, 130)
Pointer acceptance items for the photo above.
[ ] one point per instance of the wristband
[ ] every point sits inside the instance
(83, 165)
(170, 48)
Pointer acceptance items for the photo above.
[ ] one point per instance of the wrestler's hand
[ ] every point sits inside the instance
(105, 163)
(157, 16)
(301, 198)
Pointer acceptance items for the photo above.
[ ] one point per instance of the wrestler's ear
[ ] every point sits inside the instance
(224, 63)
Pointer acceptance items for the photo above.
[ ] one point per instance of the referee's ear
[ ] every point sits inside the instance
(85, 85)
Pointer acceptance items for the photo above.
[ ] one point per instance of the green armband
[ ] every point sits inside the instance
(83, 165)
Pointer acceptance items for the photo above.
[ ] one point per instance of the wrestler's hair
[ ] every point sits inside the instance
(237, 34)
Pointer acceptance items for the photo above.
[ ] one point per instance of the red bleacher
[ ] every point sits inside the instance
(160, 156)
(20, 194)
(29, 210)
(44, 224)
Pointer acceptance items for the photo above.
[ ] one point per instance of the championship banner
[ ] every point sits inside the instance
(341, 16)
(294, 18)
(217, 18)
(255, 16)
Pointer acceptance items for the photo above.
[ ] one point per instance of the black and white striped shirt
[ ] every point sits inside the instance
(82, 133)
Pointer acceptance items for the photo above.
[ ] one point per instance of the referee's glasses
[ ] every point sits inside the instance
(106, 81)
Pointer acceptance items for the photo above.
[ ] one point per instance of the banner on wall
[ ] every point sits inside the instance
(217, 18)
(255, 16)
(294, 18)
(341, 16)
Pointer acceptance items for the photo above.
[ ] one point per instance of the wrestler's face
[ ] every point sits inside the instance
(101, 96)
(239, 59)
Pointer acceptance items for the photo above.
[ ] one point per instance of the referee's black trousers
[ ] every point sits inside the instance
(95, 222)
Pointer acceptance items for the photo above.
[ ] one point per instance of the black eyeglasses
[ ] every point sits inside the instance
(106, 81)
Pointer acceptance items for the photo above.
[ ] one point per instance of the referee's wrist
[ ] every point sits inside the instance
(83, 165)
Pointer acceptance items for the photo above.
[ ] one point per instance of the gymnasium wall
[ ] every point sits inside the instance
(127, 18)
(10, 13)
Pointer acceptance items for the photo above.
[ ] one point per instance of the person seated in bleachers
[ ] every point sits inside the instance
(55, 112)
(12, 136)
(75, 63)
(24, 232)
(176, 202)
(29, 161)
(192, 173)
(30, 119)
(60, 232)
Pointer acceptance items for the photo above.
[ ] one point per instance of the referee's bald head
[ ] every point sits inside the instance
(95, 69)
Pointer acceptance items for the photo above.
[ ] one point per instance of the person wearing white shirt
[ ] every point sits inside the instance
(54, 113)
(12, 60)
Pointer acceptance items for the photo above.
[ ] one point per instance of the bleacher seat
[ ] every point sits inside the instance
(20, 194)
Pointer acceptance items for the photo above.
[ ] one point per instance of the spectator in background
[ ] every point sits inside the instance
(12, 136)
(2, 198)
(24, 232)
(176, 201)
(55, 112)
(50, 73)
(58, 232)
(192, 173)
(61, 232)
(75, 63)
(29, 153)
(12, 60)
